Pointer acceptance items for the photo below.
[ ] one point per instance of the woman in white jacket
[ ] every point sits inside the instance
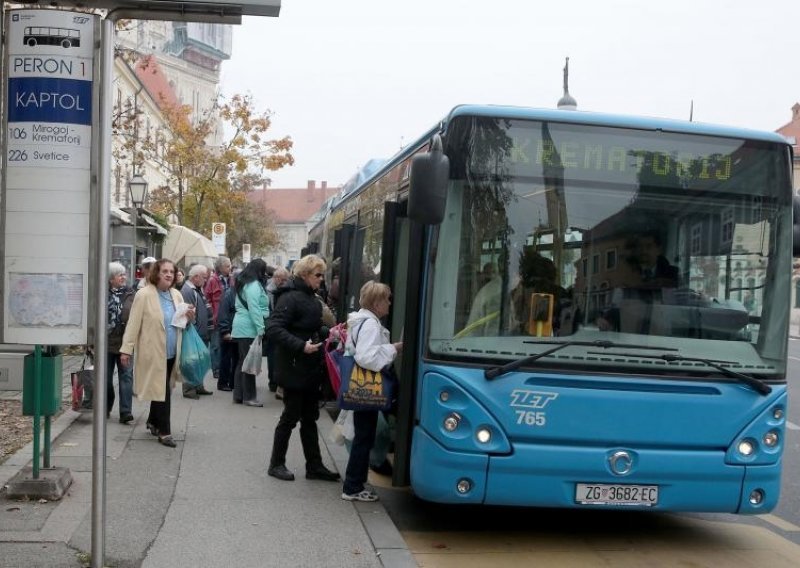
(368, 342)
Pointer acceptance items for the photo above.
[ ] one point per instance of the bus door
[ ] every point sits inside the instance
(401, 269)
(342, 240)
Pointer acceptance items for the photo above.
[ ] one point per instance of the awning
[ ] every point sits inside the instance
(152, 222)
(127, 218)
(184, 247)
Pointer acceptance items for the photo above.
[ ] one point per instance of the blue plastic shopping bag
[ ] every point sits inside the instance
(195, 358)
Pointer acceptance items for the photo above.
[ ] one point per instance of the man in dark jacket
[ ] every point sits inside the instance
(192, 293)
(229, 350)
(295, 328)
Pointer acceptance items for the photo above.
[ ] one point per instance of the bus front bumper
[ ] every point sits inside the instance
(548, 476)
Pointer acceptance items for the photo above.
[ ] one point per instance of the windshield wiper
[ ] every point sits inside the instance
(495, 372)
(757, 384)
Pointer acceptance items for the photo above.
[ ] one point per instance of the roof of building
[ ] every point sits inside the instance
(792, 128)
(156, 82)
(293, 204)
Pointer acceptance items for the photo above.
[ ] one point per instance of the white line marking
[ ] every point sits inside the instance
(792, 426)
(780, 523)
(795, 358)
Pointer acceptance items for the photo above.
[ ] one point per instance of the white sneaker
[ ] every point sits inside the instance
(364, 495)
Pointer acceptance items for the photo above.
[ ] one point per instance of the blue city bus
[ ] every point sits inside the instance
(594, 308)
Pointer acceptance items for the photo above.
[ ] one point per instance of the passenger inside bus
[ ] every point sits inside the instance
(484, 315)
(540, 305)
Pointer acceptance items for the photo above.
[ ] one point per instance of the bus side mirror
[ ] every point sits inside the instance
(796, 226)
(428, 185)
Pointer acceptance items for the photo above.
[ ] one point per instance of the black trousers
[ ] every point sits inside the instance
(244, 384)
(160, 411)
(299, 406)
(228, 359)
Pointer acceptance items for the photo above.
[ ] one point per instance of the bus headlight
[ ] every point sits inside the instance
(756, 497)
(463, 486)
(777, 413)
(483, 435)
(452, 422)
(770, 439)
(746, 447)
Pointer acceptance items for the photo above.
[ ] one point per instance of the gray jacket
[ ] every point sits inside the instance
(202, 320)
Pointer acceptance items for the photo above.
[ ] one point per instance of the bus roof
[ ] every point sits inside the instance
(571, 117)
(618, 120)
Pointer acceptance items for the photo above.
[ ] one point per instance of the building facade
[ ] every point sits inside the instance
(292, 209)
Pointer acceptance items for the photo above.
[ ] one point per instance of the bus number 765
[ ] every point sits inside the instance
(531, 418)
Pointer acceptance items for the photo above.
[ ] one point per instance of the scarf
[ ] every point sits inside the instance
(115, 307)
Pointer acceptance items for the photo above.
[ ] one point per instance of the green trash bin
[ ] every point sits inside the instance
(51, 385)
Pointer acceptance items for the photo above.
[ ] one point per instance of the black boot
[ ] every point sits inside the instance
(321, 472)
(280, 472)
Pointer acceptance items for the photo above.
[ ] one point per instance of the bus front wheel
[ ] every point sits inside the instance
(31, 42)
(66, 43)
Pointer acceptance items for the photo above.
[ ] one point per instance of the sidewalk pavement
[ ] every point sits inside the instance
(208, 502)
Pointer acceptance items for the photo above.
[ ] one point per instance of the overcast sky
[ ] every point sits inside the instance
(355, 79)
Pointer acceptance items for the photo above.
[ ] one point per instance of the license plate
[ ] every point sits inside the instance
(608, 494)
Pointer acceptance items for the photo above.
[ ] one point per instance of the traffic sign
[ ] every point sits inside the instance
(218, 233)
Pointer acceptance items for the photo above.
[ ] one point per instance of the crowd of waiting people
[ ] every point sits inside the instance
(290, 313)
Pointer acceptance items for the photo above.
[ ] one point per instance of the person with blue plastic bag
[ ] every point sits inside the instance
(151, 335)
(369, 344)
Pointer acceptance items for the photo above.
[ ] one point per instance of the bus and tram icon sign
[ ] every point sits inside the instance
(44, 35)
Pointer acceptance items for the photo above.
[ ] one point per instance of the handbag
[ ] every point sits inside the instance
(252, 361)
(82, 383)
(334, 351)
(363, 389)
(195, 362)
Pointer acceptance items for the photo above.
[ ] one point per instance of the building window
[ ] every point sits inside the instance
(726, 224)
(696, 238)
(611, 259)
(584, 264)
(756, 213)
(595, 264)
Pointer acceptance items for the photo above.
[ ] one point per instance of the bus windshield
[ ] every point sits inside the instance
(557, 232)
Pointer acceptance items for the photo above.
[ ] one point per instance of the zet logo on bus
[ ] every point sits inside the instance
(531, 399)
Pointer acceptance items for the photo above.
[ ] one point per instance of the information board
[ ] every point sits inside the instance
(49, 100)
(50, 89)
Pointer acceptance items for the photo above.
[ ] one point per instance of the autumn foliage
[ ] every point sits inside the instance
(210, 162)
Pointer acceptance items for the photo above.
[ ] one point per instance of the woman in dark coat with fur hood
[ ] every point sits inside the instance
(295, 329)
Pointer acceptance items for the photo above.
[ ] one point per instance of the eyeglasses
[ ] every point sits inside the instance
(319, 275)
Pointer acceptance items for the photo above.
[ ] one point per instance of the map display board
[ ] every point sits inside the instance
(50, 102)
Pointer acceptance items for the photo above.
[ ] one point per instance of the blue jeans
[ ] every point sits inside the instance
(364, 423)
(125, 379)
(384, 435)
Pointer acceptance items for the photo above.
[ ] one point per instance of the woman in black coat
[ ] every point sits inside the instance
(295, 329)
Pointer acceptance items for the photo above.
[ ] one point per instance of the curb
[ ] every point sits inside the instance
(390, 546)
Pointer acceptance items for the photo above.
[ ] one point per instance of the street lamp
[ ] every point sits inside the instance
(137, 185)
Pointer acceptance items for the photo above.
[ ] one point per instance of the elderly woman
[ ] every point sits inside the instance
(120, 299)
(156, 343)
(368, 342)
(294, 329)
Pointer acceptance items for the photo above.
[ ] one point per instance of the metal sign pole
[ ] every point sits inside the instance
(101, 218)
